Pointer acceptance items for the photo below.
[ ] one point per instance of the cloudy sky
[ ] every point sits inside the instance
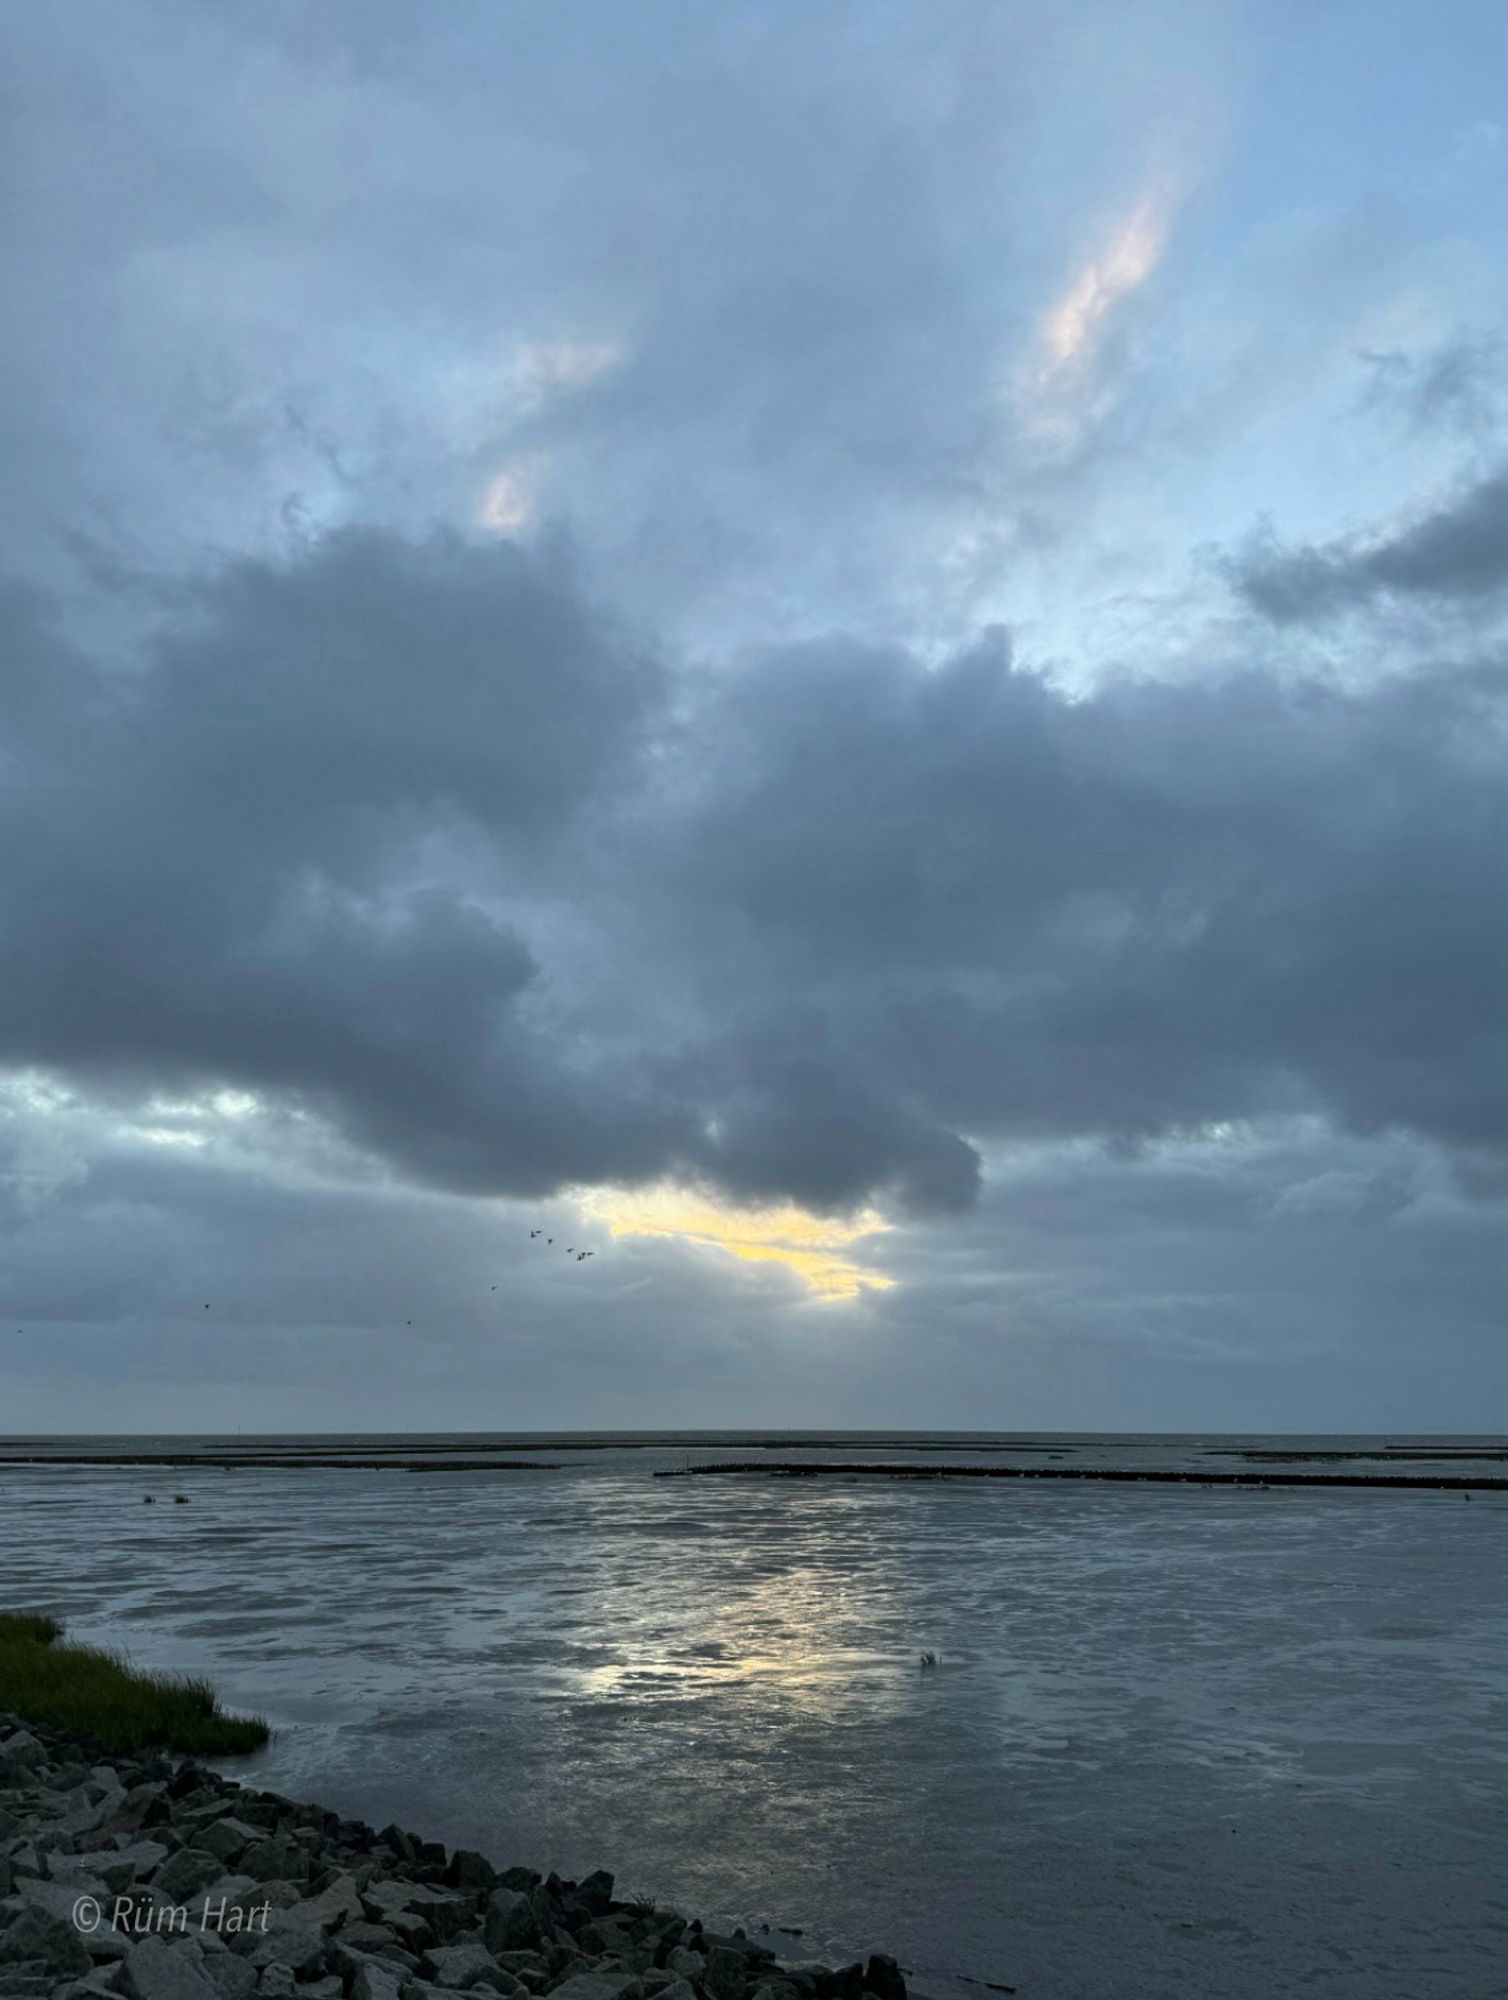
(850, 653)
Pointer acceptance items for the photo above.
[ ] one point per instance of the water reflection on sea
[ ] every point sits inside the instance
(1180, 1740)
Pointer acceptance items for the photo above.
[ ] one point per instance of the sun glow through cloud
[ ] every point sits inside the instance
(1059, 394)
(810, 1245)
(1076, 325)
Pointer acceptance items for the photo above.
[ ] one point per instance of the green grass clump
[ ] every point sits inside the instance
(88, 1689)
(28, 1627)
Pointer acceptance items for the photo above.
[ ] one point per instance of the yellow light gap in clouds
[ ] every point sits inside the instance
(782, 1234)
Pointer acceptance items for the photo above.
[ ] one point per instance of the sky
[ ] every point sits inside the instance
(848, 653)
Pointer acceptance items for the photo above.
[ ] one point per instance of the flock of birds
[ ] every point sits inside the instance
(579, 1256)
(571, 1250)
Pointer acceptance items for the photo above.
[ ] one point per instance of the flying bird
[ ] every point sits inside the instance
(532, 1234)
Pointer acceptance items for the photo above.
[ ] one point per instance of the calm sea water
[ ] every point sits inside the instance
(1180, 1741)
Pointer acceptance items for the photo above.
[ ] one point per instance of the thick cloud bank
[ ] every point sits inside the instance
(1458, 551)
(411, 835)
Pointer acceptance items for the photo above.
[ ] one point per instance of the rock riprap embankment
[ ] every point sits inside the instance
(152, 1878)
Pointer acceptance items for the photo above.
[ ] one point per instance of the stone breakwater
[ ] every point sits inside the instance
(153, 1878)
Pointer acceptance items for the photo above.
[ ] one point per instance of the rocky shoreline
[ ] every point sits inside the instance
(155, 1878)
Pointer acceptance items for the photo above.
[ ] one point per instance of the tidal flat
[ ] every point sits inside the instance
(1179, 1739)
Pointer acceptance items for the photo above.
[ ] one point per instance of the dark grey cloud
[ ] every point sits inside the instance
(1158, 906)
(413, 836)
(217, 852)
(1457, 553)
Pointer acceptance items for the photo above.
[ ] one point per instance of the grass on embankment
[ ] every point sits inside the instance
(87, 1689)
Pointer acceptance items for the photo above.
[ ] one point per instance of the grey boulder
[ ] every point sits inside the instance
(38, 1934)
(156, 1970)
(591, 1986)
(511, 1923)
